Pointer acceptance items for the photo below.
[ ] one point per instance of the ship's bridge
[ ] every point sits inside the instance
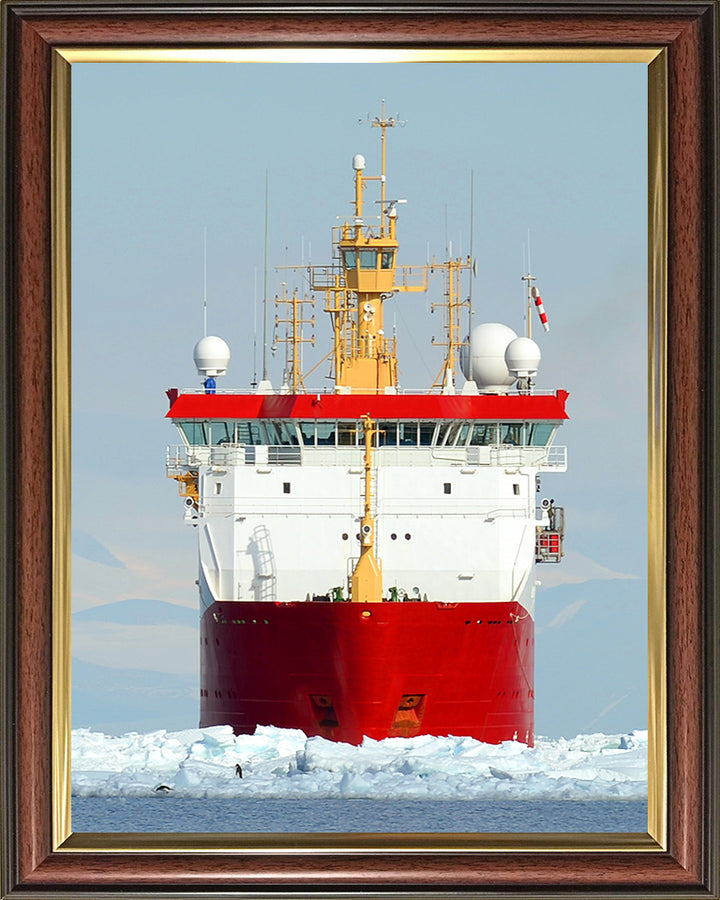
(328, 429)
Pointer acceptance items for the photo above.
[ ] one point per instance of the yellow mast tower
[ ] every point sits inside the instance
(366, 581)
(365, 359)
(364, 275)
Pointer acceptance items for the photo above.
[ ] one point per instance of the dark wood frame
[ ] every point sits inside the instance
(688, 30)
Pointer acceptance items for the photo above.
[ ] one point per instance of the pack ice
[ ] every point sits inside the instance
(281, 763)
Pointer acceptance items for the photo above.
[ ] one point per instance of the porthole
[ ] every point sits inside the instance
(345, 535)
(393, 536)
(407, 536)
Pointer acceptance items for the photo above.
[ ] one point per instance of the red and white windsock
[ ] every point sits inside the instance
(540, 308)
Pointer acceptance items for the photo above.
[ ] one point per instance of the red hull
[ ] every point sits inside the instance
(346, 670)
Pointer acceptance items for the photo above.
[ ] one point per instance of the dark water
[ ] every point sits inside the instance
(169, 814)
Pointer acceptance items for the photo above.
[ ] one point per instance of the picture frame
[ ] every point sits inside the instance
(679, 853)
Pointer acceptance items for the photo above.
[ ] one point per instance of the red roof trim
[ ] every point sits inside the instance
(493, 407)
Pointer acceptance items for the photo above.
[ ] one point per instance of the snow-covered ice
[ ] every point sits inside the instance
(285, 764)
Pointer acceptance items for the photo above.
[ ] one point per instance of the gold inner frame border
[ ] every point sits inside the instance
(64, 840)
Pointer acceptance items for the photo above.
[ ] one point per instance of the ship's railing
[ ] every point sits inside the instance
(557, 457)
(244, 391)
(180, 458)
(554, 457)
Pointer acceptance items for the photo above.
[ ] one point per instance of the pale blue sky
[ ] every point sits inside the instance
(162, 152)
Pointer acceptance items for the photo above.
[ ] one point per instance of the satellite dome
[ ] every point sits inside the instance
(211, 355)
(522, 357)
(487, 368)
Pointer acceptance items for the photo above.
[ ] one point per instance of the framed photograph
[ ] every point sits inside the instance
(42, 44)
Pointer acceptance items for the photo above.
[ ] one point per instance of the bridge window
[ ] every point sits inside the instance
(271, 430)
(408, 434)
(307, 432)
(539, 433)
(350, 259)
(387, 434)
(347, 434)
(281, 433)
(483, 435)
(427, 430)
(221, 432)
(368, 259)
(450, 434)
(195, 433)
(250, 433)
(513, 434)
(326, 433)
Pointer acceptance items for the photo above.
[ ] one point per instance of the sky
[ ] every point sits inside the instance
(169, 166)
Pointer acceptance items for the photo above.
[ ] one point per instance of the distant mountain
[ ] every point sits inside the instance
(591, 658)
(140, 612)
(116, 701)
(86, 546)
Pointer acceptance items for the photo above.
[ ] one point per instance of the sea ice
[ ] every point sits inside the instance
(284, 763)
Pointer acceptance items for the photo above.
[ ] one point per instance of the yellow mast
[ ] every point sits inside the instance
(366, 581)
(363, 275)
(452, 305)
(365, 359)
(293, 333)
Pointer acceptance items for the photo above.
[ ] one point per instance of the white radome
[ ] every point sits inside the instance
(522, 357)
(488, 369)
(211, 356)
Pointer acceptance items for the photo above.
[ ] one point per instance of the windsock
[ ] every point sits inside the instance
(540, 308)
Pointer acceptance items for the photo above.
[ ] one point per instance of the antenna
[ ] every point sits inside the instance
(472, 261)
(529, 259)
(533, 297)
(254, 381)
(265, 279)
(529, 279)
(205, 281)
(383, 122)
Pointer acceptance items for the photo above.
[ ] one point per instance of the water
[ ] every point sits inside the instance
(163, 813)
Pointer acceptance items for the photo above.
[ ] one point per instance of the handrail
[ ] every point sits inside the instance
(412, 392)
(182, 456)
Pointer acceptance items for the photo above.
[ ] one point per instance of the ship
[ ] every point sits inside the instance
(367, 552)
